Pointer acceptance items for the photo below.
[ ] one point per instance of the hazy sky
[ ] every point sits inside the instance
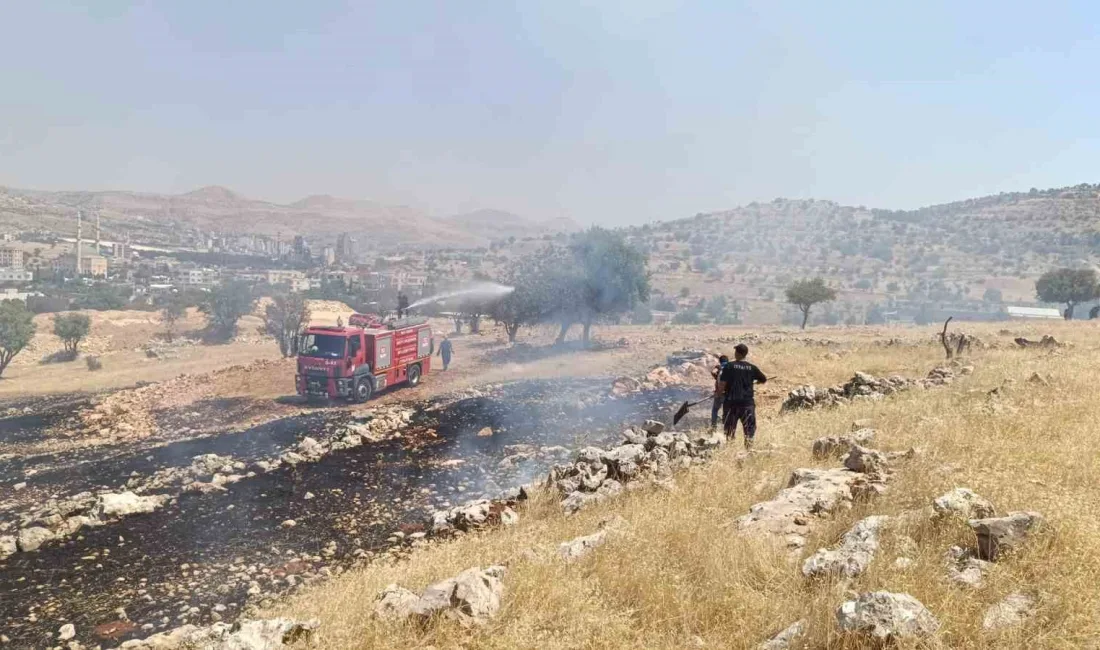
(607, 112)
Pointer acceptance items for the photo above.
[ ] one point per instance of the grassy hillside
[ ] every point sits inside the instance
(685, 578)
(953, 252)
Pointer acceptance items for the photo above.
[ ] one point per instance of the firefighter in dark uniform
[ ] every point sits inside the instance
(736, 383)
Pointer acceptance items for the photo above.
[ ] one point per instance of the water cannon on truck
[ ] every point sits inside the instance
(367, 356)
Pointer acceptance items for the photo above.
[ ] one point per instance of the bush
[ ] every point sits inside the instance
(93, 363)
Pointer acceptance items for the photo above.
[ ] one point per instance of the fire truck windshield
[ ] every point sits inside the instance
(324, 346)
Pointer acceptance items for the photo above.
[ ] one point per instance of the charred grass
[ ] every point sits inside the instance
(685, 578)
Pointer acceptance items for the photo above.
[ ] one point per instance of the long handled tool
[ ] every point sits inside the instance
(683, 410)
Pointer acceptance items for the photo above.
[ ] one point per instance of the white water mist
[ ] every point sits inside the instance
(480, 291)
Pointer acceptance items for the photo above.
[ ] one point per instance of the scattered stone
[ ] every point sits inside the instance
(654, 427)
(964, 568)
(854, 554)
(1036, 378)
(9, 545)
(30, 539)
(243, 635)
(883, 615)
(903, 564)
(575, 549)
(867, 461)
(838, 446)
(1013, 610)
(963, 503)
(288, 523)
(784, 639)
(472, 597)
(486, 432)
(810, 494)
(121, 504)
(997, 535)
(66, 632)
(862, 386)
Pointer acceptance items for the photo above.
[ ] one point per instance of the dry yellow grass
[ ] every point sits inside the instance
(684, 577)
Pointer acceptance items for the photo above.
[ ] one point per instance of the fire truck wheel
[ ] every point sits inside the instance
(414, 375)
(363, 390)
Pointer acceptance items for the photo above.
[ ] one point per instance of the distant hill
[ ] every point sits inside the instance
(166, 219)
(958, 252)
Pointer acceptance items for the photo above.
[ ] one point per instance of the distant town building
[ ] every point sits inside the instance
(1033, 312)
(11, 258)
(346, 248)
(328, 255)
(19, 276)
(92, 265)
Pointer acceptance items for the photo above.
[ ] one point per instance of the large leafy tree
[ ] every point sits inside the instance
(224, 307)
(531, 299)
(173, 307)
(16, 330)
(602, 277)
(1069, 287)
(804, 294)
(284, 319)
(72, 329)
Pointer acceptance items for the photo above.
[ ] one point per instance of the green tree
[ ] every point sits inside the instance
(1068, 286)
(284, 319)
(992, 295)
(716, 308)
(607, 277)
(530, 301)
(804, 294)
(16, 331)
(224, 307)
(173, 307)
(71, 329)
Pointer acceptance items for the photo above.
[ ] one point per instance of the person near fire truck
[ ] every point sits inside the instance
(445, 351)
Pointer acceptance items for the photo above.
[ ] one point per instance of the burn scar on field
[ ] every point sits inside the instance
(206, 555)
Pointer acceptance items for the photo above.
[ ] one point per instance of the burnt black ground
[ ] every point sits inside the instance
(353, 499)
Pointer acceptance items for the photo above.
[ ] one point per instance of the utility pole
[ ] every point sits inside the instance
(98, 250)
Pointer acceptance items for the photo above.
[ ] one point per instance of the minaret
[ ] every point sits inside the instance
(79, 242)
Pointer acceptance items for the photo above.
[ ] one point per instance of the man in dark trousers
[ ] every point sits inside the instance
(719, 397)
(736, 383)
(445, 351)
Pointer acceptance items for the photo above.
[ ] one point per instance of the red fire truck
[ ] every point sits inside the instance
(353, 362)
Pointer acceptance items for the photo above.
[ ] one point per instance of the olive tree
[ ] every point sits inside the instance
(284, 320)
(71, 329)
(16, 331)
(1069, 287)
(804, 294)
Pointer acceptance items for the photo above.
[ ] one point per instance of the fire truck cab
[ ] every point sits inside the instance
(354, 362)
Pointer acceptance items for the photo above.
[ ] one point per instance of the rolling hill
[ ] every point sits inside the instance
(166, 219)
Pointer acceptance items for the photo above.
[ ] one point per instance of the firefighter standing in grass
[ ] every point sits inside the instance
(736, 383)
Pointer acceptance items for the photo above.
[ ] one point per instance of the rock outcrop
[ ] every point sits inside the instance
(862, 386)
(964, 504)
(839, 446)
(883, 616)
(964, 568)
(268, 634)
(854, 554)
(472, 598)
(784, 639)
(580, 547)
(1000, 534)
(1013, 610)
(597, 474)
